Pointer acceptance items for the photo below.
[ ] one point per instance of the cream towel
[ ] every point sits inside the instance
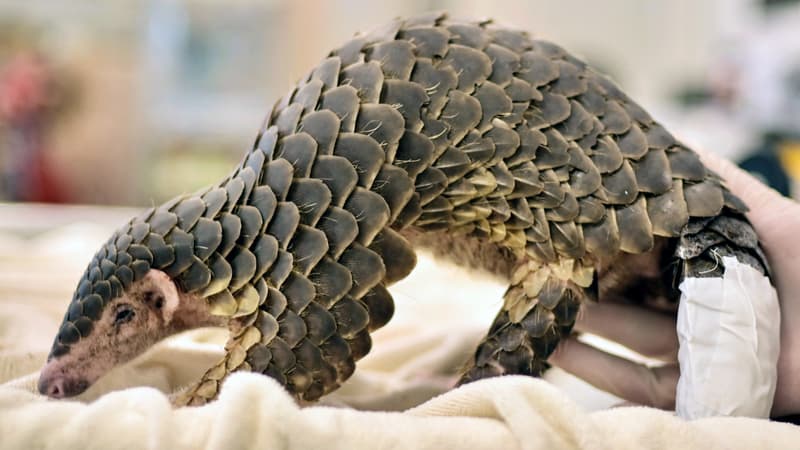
(254, 412)
(409, 373)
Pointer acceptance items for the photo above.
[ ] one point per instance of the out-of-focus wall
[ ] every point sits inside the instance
(647, 46)
(92, 149)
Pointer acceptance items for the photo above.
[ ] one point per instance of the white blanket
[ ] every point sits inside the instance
(398, 398)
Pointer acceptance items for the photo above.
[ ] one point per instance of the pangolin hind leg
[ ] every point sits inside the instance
(539, 308)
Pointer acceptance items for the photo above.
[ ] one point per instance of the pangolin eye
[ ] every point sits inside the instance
(124, 314)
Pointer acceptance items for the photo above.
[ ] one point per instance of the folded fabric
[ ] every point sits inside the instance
(400, 396)
(255, 412)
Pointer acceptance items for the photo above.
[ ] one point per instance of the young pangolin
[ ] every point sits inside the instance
(492, 148)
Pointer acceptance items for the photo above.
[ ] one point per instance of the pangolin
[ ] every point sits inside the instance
(502, 152)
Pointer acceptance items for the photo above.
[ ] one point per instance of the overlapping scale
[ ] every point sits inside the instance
(428, 124)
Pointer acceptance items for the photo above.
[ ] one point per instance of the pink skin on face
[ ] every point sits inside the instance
(150, 310)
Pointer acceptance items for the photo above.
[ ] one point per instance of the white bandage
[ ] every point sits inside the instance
(729, 337)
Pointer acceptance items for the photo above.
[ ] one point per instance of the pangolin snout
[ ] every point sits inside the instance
(61, 386)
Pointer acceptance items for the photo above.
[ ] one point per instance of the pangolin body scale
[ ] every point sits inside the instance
(476, 140)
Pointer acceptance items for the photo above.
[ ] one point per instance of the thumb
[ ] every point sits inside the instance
(768, 208)
(635, 382)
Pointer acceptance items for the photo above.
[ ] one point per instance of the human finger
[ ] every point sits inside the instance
(744, 184)
(776, 219)
(638, 383)
(768, 208)
(647, 332)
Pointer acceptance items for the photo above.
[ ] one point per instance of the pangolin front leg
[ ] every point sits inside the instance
(507, 152)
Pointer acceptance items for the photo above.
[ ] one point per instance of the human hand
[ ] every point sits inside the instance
(776, 219)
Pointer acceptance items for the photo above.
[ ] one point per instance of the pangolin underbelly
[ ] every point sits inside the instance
(502, 151)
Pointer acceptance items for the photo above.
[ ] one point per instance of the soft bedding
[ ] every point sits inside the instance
(400, 396)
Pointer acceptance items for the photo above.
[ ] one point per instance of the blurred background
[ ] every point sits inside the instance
(131, 102)
(127, 103)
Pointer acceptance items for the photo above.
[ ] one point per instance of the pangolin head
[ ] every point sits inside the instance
(140, 287)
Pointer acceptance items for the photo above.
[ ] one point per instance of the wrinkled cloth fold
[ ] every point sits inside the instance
(399, 397)
(253, 411)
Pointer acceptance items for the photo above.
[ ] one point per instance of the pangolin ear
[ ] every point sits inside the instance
(169, 300)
